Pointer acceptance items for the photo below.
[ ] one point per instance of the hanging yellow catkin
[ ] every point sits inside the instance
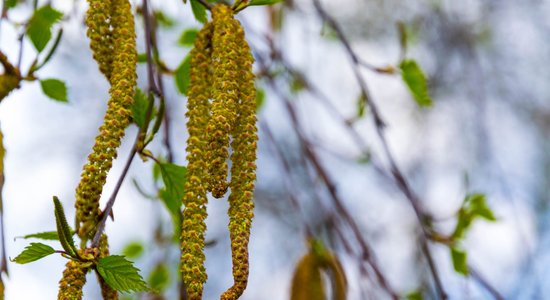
(224, 97)
(194, 213)
(10, 79)
(307, 283)
(117, 118)
(99, 20)
(74, 278)
(243, 169)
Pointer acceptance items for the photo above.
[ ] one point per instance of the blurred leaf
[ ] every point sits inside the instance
(39, 28)
(64, 231)
(307, 283)
(479, 207)
(142, 58)
(416, 81)
(139, 108)
(462, 225)
(156, 172)
(33, 252)
(260, 98)
(198, 11)
(361, 105)
(181, 77)
(188, 37)
(163, 19)
(263, 2)
(459, 258)
(133, 250)
(416, 295)
(120, 274)
(47, 235)
(11, 3)
(55, 89)
(159, 278)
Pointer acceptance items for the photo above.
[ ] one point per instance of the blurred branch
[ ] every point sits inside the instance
(400, 180)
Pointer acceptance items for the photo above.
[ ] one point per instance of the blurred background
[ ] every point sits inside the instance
(486, 132)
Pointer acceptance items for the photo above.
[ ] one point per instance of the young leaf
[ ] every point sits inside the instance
(39, 28)
(263, 2)
(139, 108)
(198, 11)
(120, 274)
(34, 251)
(181, 77)
(159, 278)
(416, 295)
(361, 105)
(459, 258)
(187, 38)
(133, 250)
(174, 177)
(260, 98)
(55, 89)
(47, 235)
(142, 58)
(416, 81)
(63, 229)
(163, 19)
(479, 207)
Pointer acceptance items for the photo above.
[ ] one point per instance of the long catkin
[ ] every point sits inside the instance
(194, 213)
(117, 118)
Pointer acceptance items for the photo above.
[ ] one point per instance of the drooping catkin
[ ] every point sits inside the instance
(74, 278)
(243, 169)
(99, 20)
(224, 97)
(117, 117)
(194, 213)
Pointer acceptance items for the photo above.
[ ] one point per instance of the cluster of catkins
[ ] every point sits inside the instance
(112, 40)
(221, 115)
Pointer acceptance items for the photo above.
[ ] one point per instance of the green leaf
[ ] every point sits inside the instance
(47, 235)
(188, 37)
(139, 108)
(263, 2)
(416, 295)
(120, 274)
(163, 19)
(459, 258)
(479, 207)
(64, 231)
(260, 98)
(39, 28)
(174, 178)
(159, 278)
(416, 81)
(181, 77)
(198, 11)
(34, 251)
(11, 3)
(142, 58)
(361, 105)
(133, 250)
(54, 89)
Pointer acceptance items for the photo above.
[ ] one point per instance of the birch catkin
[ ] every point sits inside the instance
(194, 213)
(74, 278)
(221, 72)
(99, 19)
(117, 117)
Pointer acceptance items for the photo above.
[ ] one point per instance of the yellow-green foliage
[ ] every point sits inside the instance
(117, 117)
(194, 214)
(221, 70)
(74, 278)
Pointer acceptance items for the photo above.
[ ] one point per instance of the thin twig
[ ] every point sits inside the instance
(479, 278)
(395, 171)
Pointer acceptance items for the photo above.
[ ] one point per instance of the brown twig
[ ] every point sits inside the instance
(400, 180)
